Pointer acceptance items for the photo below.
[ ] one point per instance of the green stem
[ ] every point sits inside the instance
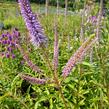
(46, 58)
(60, 89)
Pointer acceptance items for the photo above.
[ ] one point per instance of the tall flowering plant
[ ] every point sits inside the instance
(39, 39)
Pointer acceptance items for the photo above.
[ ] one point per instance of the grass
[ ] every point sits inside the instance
(87, 87)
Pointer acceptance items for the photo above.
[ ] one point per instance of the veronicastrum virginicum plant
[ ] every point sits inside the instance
(39, 40)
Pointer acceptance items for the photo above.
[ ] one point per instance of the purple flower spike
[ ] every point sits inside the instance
(3, 35)
(7, 55)
(16, 33)
(35, 30)
(33, 80)
(10, 38)
(13, 56)
(8, 42)
(4, 42)
(92, 19)
(9, 49)
(12, 44)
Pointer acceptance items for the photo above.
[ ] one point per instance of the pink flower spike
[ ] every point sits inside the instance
(33, 80)
(78, 55)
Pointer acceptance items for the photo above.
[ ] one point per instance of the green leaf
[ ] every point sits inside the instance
(87, 64)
